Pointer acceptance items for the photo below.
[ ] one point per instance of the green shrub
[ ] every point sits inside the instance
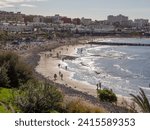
(4, 80)
(38, 98)
(6, 95)
(107, 95)
(6, 100)
(15, 71)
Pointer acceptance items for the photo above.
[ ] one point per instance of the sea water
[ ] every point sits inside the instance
(124, 69)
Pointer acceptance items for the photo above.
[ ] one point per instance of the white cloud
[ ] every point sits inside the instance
(12, 3)
(28, 5)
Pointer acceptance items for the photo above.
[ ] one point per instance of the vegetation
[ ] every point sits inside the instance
(4, 80)
(107, 95)
(3, 36)
(38, 98)
(6, 100)
(78, 106)
(7, 36)
(14, 72)
(142, 101)
(21, 92)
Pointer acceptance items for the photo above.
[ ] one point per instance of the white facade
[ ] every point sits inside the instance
(56, 19)
(38, 19)
(119, 18)
(86, 21)
(15, 28)
(141, 22)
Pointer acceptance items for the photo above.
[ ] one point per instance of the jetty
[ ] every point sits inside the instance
(119, 44)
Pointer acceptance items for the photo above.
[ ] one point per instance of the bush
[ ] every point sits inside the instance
(38, 98)
(4, 80)
(15, 71)
(79, 106)
(107, 95)
(6, 100)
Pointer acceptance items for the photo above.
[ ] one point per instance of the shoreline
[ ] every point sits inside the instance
(48, 66)
(33, 59)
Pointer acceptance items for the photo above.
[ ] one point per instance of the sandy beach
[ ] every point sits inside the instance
(50, 65)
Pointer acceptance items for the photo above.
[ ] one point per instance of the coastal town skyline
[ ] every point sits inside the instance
(97, 9)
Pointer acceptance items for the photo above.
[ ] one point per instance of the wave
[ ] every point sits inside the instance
(145, 88)
(122, 69)
(124, 40)
(91, 67)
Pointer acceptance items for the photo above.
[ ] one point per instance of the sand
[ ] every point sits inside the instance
(48, 66)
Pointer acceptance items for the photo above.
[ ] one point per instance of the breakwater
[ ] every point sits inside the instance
(119, 44)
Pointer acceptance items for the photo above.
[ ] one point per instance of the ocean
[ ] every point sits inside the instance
(124, 69)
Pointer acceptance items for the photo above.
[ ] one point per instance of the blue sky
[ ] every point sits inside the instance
(95, 9)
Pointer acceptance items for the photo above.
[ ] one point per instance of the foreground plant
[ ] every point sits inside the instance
(142, 101)
(106, 95)
(39, 98)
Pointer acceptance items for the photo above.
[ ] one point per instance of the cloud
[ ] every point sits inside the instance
(28, 5)
(23, 3)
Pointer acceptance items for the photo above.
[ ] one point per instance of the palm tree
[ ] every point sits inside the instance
(142, 101)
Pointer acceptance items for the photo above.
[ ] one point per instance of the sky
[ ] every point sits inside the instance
(95, 9)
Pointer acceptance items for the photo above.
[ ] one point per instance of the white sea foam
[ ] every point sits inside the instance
(145, 88)
(103, 40)
(86, 69)
(98, 47)
(122, 69)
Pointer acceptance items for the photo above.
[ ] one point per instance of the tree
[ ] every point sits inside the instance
(39, 98)
(106, 95)
(4, 80)
(18, 72)
(142, 101)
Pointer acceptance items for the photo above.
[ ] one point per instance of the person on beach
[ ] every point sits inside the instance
(57, 55)
(59, 65)
(61, 76)
(66, 67)
(81, 50)
(59, 73)
(99, 86)
(55, 76)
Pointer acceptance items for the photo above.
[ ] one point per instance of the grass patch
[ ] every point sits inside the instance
(6, 95)
(6, 100)
(2, 109)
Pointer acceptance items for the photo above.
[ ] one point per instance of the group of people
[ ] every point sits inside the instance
(60, 74)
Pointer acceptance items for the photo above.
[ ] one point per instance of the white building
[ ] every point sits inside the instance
(56, 19)
(119, 18)
(38, 19)
(139, 23)
(15, 28)
(101, 26)
(86, 21)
